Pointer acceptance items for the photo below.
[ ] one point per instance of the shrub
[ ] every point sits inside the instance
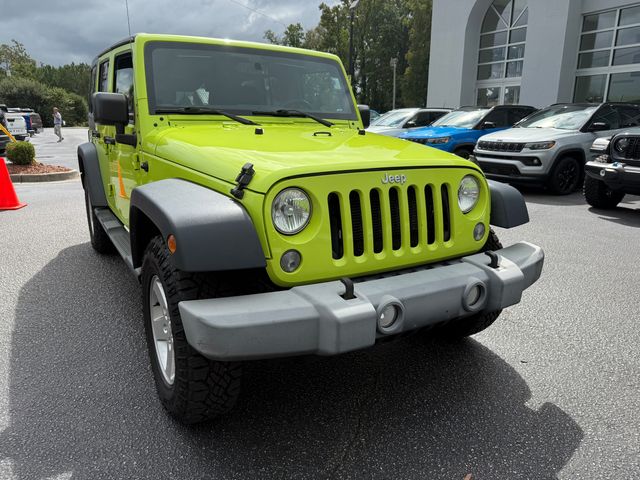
(21, 153)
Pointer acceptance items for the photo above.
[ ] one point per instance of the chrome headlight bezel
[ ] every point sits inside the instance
(287, 197)
(540, 145)
(438, 140)
(469, 188)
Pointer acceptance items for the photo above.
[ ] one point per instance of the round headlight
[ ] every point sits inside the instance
(621, 145)
(468, 193)
(291, 211)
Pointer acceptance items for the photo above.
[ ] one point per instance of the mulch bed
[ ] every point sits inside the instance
(35, 168)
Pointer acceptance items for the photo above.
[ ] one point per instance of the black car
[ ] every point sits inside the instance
(615, 170)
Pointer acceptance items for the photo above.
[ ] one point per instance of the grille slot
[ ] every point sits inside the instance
(430, 211)
(501, 146)
(356, 223)
(413, 216)
(394, 208)
(335, 219)
(376, 220)
(446, 220)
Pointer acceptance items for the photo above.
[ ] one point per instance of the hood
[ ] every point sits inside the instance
(393, 131)
(524, 135)
(434, 132)
(285, 150)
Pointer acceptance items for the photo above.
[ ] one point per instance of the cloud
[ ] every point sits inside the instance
(64, 31)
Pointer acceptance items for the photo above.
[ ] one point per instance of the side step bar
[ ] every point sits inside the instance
(118, 234)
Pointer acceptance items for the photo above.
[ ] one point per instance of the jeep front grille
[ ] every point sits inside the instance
(633, 149)
(500, 146)
(400, 217)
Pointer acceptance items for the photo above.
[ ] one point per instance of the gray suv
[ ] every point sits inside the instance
(551, 146)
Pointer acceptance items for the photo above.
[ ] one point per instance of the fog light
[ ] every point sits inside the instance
(473, 295)
(536, 161)
(603, 173)
(290, 260)
(478, 231)
(388, 316)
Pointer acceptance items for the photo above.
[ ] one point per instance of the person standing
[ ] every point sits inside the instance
(57, 124)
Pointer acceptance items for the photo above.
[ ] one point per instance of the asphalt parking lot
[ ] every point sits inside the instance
(550, 391)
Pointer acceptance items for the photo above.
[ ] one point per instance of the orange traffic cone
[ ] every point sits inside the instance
(8, 198)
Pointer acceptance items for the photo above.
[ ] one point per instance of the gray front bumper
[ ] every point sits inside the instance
(316, 319)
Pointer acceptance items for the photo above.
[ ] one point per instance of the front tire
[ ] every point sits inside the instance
(463, 152)
(599, 195)
(565, 176)
(191, 387)
(464, 327)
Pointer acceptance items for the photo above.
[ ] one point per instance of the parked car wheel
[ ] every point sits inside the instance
(191, 388)
(467, 326)
(566, 176)
(599, 195)
(100, 241)
(463, 152)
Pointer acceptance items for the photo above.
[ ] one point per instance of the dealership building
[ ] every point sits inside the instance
(535, 52)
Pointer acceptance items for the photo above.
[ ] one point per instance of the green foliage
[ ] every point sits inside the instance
(383, 29)
(74, 78)
(15, 61)
(24, 92)
(21, 153)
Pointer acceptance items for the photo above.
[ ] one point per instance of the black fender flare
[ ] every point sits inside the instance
(90, 175)
(508, 208)
(213, 232)
(568, 152)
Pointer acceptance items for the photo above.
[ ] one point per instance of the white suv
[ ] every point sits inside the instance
(551, 146)
(17, 126)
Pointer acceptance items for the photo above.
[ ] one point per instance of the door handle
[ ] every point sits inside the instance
(109, 140)
(145, 166)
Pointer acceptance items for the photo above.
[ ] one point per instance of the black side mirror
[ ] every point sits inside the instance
(365, 115)
(410, 124)
(599, 126)
(111, 109)
(488, 125)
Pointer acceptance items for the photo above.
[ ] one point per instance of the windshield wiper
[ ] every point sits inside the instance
(294, 113)
(206, 111)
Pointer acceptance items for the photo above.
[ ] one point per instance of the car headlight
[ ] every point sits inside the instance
(438, 140)
(540, 145)
(621, 144)
(468, 193)
(290, 211)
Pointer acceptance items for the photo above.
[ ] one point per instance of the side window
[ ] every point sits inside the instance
(608, 115)
(92, 90)
(498, 116)
(124, 78)
(629, 116)
(422, 119)
(517, 114)
(104, 77)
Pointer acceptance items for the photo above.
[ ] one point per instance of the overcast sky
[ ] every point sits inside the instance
(64, 31)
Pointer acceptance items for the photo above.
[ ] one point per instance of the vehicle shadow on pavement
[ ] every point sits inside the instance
(622, 215)
(543, 197)
(83, 404)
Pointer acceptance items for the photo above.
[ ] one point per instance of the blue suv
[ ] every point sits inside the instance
(458, 131)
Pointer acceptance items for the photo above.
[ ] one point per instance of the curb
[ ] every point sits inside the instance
(43, 177)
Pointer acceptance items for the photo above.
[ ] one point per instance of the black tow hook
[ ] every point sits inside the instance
(494, 259)
(348, 289)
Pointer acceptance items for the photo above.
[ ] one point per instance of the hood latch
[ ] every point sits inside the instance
(243, 179)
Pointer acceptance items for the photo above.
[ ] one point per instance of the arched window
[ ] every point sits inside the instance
(501, 52)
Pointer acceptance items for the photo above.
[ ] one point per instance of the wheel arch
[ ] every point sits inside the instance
(213, 232)
(89, 167)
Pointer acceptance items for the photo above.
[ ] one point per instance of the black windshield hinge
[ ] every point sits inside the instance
(243, 179)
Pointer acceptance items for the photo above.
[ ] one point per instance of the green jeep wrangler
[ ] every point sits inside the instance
(239, 185)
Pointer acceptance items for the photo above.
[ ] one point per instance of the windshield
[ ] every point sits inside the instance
(460, 118)
(243, 80)
(564, 117)
(394, 118)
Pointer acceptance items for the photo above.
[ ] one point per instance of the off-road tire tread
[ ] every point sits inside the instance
(100, 241)
(595, 193)
(203, 389)
(464, 327)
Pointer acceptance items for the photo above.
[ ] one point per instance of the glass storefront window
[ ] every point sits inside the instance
(624, 87)
(511, 95)
(516, 51)
(514, 69)
(590, 89)
(488, 97)
(493, 70)
(629, 16)
(493, 39)
(491, 55)
(594, 59)
(593, 41)
(626, 56)
(628, 36)
(598, 21)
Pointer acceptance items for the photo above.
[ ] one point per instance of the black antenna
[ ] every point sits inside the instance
(126, 3)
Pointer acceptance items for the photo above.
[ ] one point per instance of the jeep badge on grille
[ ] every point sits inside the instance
(401, 179)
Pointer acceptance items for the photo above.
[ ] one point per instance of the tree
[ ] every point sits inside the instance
(75, 78)
(293, 36)
(416, 76)
(15, 61)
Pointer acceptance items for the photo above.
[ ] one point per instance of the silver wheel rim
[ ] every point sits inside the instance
(161, 328)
